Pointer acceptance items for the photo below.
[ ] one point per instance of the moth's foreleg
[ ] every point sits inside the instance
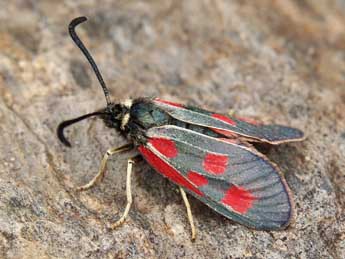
(189, 212)
(130, 163)
(99, 176)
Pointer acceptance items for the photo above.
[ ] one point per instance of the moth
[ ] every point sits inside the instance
(208, 155)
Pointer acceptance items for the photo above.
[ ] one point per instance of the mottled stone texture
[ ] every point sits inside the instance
(280, 61)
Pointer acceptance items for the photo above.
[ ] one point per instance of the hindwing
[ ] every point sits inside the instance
(233, 179)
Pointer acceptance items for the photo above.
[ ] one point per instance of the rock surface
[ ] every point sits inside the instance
(280, 61)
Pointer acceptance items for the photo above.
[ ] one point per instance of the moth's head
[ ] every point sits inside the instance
(113, 115)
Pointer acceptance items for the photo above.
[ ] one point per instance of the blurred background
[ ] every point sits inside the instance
(279, 61)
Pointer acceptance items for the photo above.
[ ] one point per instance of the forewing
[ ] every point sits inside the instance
(230, 125)
(232, 179)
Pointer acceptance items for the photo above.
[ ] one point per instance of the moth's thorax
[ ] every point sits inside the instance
(145, 113)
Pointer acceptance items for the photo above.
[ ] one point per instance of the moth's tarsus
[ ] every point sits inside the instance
(71, 28)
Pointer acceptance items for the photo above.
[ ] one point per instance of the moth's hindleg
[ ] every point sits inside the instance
(130, 163)
(189, 212)
(99, 176)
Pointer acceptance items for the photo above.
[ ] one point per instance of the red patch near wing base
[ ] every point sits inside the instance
(239, 199)
(165, 146)
(197, 179)
(165, 169)
(224, 119)
(215, 163)
(169, 103)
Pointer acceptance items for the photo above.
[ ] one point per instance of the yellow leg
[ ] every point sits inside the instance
(189, 212)
(99, 176)
(129, 195)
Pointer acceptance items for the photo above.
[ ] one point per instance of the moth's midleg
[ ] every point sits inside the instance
(121, 220)
(99, 176)
(189, 212)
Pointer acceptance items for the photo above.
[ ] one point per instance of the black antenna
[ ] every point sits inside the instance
(79, 43)
(67, 123)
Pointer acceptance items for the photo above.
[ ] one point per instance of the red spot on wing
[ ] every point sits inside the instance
(168, 171)
(215, 163)
(169, 103)
(166, 147)
(239, 199)
(197, 179)
(224, 119)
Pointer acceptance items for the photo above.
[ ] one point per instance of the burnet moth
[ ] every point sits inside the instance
(207, 154)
